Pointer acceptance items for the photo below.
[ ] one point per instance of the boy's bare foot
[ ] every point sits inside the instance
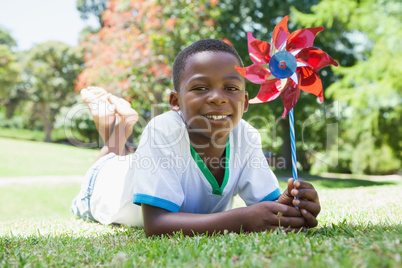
(102, 111)
(126, 117)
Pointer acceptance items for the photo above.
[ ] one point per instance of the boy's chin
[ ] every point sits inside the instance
(205, 139)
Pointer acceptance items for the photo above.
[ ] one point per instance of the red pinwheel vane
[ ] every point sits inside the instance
(284, 67)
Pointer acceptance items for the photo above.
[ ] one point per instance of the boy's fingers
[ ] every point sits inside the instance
(296, 230)
(290, 185)
(291, 221)
(310, 219)
(312, 207)
(309, 194)
(285, 210)
(303, 185)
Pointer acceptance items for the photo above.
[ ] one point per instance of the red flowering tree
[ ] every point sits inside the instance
(133, 53)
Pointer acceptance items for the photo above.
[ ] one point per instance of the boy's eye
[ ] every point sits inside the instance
(232, 88)
(200, 88)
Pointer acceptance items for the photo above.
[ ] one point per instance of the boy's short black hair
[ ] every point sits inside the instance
(214, 45)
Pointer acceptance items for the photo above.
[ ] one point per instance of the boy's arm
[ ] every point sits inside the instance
(258, 217)
(308, 201)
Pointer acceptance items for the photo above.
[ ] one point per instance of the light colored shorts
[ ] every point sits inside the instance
(106, 194)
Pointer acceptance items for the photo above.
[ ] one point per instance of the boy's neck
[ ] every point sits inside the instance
(214, 157)
(210, 149)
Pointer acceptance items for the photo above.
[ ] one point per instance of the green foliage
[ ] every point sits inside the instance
(52, 68)
(10, 93)
(91, 7)
(368, 158)
(187, 22)
(78, 124)
(6, 39)
(13, 122)
(8, 70)
(371, 88)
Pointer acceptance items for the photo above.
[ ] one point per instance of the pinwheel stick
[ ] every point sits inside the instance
(293, 144)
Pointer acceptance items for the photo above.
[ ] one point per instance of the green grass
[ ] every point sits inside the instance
(359, 227)
(27, 158)
(335, 182)
(22, 134)
(36, 135)
(32, 135)
(36, 201)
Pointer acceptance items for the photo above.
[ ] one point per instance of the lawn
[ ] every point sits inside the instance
(359, 226)
(29, 158)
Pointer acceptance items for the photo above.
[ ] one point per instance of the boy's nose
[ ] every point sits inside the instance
(217, 96)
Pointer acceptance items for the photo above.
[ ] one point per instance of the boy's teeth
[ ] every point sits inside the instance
(216, 117)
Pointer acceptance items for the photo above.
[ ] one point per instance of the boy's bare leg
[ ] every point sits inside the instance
(102, 111)
(114, 119)
(126, 117)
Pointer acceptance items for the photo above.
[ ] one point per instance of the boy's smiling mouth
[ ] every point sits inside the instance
(216, 117)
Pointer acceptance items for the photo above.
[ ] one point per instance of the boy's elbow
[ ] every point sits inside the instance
(152, 230)
(149, 232)
(153, 221)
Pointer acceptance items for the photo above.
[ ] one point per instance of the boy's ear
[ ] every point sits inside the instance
(174, 101)
(246, 102)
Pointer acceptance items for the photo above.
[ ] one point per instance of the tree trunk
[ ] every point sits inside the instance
(286, 147)
(11, 105)
(48, 124)
(156, 110)
(49, 129)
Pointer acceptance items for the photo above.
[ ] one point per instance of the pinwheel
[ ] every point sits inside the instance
(284, 67)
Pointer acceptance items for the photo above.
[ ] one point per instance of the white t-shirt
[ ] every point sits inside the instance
(169, 174)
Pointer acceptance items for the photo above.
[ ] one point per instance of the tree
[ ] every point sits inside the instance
(10, 90)
(52, 68)
(6, 39)
(10, 94)
(370, 88)
(91, 7)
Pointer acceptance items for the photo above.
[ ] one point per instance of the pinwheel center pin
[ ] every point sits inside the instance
(283, 64)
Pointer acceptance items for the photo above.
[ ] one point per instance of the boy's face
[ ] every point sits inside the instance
(212, 97)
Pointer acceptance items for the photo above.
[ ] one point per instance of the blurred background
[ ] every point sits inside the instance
(49, 50)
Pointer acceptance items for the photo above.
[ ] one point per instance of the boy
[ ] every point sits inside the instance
(193, 159)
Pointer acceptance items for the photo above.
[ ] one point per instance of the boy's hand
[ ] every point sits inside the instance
(269, 215)
(259, 217)
(308, 201)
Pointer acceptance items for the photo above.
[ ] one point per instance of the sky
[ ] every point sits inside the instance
(33, 22)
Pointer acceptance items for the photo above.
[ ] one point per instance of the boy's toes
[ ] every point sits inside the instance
(91, 94)
(120, 103)
(123, 107)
